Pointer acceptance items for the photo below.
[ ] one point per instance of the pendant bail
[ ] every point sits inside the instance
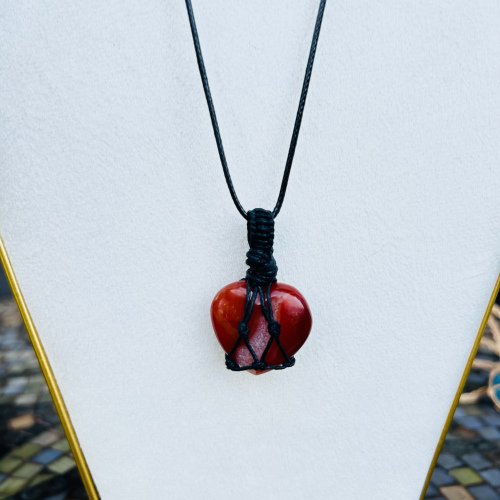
(262, 268)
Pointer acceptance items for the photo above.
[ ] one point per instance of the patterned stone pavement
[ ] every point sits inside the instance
(468, 467)
(36, 462)
(35, 459)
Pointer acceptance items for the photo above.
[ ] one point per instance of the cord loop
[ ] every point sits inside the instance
(262, 268)
(298, 117)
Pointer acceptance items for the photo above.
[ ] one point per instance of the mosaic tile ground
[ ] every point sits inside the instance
(35, 459)
(468, 466)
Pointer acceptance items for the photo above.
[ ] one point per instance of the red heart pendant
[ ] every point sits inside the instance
(290, 310)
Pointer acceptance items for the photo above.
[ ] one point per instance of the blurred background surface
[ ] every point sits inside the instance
(35, 460)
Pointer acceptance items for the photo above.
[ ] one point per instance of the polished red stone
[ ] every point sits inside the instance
(290, 310)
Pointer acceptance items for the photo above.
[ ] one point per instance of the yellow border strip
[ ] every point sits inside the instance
(465, 374)
(49, 378)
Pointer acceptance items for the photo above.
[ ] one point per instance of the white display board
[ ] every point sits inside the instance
(120, 230)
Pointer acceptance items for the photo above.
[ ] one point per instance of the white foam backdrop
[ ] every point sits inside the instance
(120, 230)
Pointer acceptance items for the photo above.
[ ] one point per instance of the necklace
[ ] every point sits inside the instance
(267, 339)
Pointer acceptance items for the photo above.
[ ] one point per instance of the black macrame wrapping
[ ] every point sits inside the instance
(261, 273)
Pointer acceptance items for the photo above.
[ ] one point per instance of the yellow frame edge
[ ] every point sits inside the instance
(49, 378)
(465, 374)
(70, 431)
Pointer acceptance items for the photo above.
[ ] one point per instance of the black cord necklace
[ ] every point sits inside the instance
(253, 341)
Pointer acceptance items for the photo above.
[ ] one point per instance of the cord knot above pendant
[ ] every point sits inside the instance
(262, 268)
(260, 323)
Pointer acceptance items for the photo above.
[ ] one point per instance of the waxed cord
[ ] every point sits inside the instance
(262, 268)
(298, 119)
(261, 274)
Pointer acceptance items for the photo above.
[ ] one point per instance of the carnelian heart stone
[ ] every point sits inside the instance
(290, 310)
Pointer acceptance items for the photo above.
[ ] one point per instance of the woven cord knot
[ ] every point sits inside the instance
(261, 273)
(230, 364)
(262, 268)
(243, 329)
(259, 366)
(274, 329)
